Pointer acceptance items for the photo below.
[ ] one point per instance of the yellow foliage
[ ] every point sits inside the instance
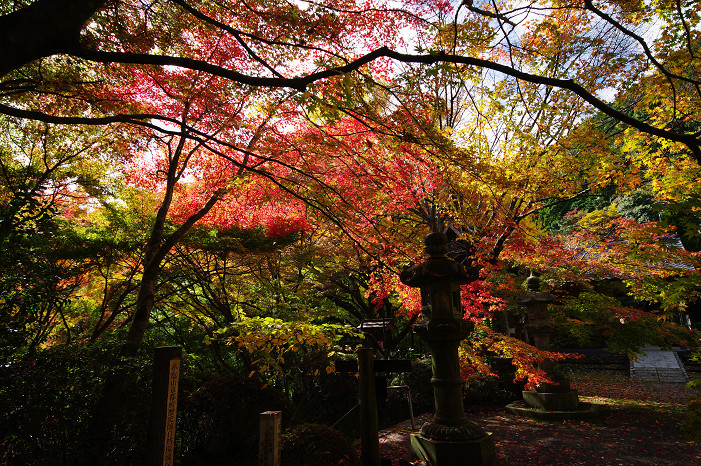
(276, 344)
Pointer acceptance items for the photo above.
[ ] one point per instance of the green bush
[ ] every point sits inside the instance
(490, 391)
(46, 401)
(316, 445)
(419, 382)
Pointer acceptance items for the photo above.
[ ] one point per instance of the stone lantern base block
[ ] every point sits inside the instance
(454, 453)
(562, 401)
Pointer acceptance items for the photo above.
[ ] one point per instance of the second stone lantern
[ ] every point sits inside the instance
(538, 320)
(552, 397)
(450, 439)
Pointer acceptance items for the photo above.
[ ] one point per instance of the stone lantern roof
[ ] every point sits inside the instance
(437, 267)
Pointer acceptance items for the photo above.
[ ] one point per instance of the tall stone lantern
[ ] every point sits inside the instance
(450, 439)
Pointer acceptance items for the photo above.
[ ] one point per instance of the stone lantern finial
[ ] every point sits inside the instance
(533, 283)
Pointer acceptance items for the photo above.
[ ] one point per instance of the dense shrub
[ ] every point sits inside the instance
(325, 399)
(419, 382)
(485, 390)
(317, 445)
(218, 419)
(490, 391)
(595, 360)
(46, 400)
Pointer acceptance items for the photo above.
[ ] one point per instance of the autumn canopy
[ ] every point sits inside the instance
(247, 179)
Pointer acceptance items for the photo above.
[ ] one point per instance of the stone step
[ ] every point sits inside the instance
(658, 365)
(659, 375)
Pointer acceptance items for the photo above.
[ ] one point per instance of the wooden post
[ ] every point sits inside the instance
(370, 442)
(270, 444)
(164, 406)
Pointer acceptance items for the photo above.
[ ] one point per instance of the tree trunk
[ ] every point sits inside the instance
(105, 414)
(104, 418)
(142, 313)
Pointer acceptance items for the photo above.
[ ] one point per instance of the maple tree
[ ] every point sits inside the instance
(311, 122)
(135, 43)
(657, 279)
(534, 105)
(42, 172)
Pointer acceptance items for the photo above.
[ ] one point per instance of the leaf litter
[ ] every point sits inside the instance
(639, 425)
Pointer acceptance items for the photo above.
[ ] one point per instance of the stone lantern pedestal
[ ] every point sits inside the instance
(450, 439)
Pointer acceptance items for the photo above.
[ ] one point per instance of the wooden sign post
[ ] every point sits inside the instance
(370, 443)
(270, 444)
(164, 407)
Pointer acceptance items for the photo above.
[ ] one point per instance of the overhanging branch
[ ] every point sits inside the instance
(301, 83)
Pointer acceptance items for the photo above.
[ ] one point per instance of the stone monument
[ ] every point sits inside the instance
(450, 439)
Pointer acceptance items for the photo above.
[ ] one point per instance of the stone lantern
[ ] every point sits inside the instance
(450, 439)
(538, 321)
(552, 397)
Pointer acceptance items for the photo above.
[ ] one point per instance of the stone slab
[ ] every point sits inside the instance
(658, 358)
(660, 375)
(560, 401)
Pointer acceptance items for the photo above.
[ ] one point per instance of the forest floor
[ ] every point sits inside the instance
(639, 425)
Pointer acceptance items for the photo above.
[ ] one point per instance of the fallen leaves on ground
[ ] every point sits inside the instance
(639, 425)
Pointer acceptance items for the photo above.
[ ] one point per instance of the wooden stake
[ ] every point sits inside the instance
(270, 444)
